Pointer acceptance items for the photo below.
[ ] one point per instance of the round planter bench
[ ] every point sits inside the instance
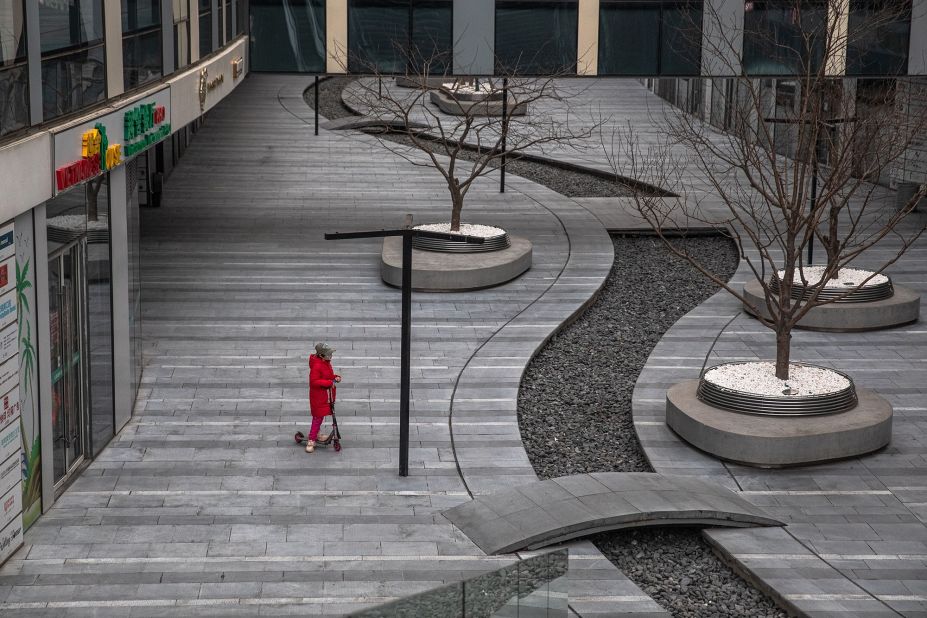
(436, 271)
(778, 441)
(901, 308)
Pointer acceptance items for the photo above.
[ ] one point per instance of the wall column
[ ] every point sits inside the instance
(336, 36)
(123, 398)
(587, 40)
(474, 37)
(194, 32)
(722, 37)
(34, 57)
(112, 36)
(43, 356)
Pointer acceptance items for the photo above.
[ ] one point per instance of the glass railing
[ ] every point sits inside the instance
(535, 587)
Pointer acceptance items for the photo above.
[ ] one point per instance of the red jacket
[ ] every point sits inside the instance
(321, 382)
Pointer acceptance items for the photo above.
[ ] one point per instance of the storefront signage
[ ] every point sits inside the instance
(207, 85)
(11, 505)
(87, 150)
(9, 379)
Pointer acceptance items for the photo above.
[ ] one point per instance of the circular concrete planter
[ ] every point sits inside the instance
(494, 239)
(744, 402)
(435, 271)
(778, 441)
(903, 307)
(868, 293)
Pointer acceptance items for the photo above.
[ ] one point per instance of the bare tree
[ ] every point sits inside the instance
(789, 169)
(472, 138)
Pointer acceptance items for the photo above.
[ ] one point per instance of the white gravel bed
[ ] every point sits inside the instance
(468, 229)
(846, 277)
(485, 88)
(759, 378)
(79, 222)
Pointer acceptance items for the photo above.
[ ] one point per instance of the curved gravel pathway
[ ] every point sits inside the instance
(575, 416)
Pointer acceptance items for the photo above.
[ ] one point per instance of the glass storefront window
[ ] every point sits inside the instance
(136, 172)
(14, 76)
(681, 38)
(378, 31)
(241, 16)
(784, 37)
(227, 18)
(288, 35)
(536, 37)
(80, 322)
(73, 69)
(141, 42)
(629, 38)
(205, 7)
(878, 37)
(396, 36)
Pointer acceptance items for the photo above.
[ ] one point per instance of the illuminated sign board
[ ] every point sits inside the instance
(86, 150)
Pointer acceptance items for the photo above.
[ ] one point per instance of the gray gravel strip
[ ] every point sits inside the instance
(574, 412)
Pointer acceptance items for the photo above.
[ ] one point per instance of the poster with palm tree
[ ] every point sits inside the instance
(29, 423)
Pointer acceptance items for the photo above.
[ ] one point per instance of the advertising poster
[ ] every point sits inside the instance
(9, 342)
(11, 539)
(26, 343)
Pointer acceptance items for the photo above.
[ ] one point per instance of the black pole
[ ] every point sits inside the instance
(814, 199)
(379, 87)
(316, 104)
(505, 112)
(405, 352)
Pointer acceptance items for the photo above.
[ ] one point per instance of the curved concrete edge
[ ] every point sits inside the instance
(902, 308)
(777, 441)
(538, 514)
(434, 271)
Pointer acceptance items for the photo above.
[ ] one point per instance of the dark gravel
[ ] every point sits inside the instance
(566, 182)
(330, 103)
(574, 412)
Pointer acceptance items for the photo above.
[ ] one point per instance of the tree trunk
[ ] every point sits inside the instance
(832, 244)
(92, 192)
(456, 207)
(783, 352)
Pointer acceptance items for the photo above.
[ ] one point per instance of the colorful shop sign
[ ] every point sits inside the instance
(87, 150)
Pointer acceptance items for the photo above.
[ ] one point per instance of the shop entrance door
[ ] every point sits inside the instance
(67, 340)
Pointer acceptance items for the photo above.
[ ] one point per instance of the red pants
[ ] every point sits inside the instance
(316, 425)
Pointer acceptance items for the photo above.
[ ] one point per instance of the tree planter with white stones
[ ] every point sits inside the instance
(742, 412)
(860, 301)
(450, 266)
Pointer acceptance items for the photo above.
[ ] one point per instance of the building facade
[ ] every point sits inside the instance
(98, 100)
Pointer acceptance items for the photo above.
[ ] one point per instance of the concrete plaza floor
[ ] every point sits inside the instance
(203, 505)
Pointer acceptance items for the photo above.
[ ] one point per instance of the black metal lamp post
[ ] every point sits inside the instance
(408, 233)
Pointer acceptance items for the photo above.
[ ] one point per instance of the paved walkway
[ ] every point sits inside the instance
(856, 543)
(203, 504)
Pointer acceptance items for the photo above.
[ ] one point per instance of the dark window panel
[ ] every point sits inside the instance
(141, 57)
(65, 25)
(629, 35)
(12, 32)
(73, 81)
(378, 32)
(681, 39)
(205, 33)
(535, 37)
(878, 37)
(227, 17)
(241, 17)
(784, 38)
(140, 15)
(14, 98)
(432, 36)
(288, 35)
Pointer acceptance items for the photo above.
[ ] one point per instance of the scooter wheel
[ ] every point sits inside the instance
(298, 437)
(337, 446)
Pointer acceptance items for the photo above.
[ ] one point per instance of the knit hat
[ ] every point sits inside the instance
(323, 350)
